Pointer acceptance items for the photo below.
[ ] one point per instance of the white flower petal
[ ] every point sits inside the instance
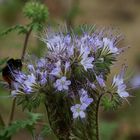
(82, 114)
(124, 94)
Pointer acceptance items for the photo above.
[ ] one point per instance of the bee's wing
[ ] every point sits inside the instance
(4, 84)
(11, 72)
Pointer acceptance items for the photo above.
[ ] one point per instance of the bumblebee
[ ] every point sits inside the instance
(8, 71)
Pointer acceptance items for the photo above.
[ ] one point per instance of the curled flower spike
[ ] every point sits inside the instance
(118, 82)
(122, 91)
(109, 43)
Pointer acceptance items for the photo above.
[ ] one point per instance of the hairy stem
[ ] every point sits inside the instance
(46, 106)
(1, 121)
(26, 43)
(47, 113)
(12, 111)
(97, 117)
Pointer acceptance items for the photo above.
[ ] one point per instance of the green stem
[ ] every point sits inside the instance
(1, 121)
(49, 120)
(12, 111)
(97, 117)
(26, 43)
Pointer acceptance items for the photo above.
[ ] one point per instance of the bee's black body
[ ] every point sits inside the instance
(8, 70)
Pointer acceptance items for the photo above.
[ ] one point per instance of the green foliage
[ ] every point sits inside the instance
(45, 130)
(107, 129)
(30, 102)
(111, 103)
(37, 13)
(2, 62)
(19, 28)
(79, 130)
(104, 59)
(59, 115)
(73, 12)
(1, 122)
(16, 126)
(84, 28)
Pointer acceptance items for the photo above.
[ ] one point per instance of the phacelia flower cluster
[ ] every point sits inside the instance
(74, 65)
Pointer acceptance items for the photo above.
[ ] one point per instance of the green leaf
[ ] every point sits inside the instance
(46, 130)
(2, 62)
(30, 102)
(20, 124)
(113, 103)
(19, 28)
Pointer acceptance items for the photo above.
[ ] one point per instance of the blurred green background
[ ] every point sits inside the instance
(124, 124)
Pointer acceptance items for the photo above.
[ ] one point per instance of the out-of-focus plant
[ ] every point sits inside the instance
(70, 78)
(16, 126)
(72, 13)
(12, 7)
(37, 14)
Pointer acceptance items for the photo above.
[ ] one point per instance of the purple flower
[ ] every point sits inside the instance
(121, 87)
(84, 51)
(62, 84)
(43, 78)
(100, 80)
(41, 63)
(57, 70)
(70, 51)
(27, 89)
(67, 39)
(87, 62)
(135, 82)
(67, 66)
(121, 91)
(118, 80)
(15, 85)
(98, 43)
(78, 111)
(84, 99)
(14, 93)
(82, 92)
(31, 68)
(109, 43)
(23, 82)
(92, 85)
(28, 83)
(55, 43)
(31, 79)
(20, 77)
